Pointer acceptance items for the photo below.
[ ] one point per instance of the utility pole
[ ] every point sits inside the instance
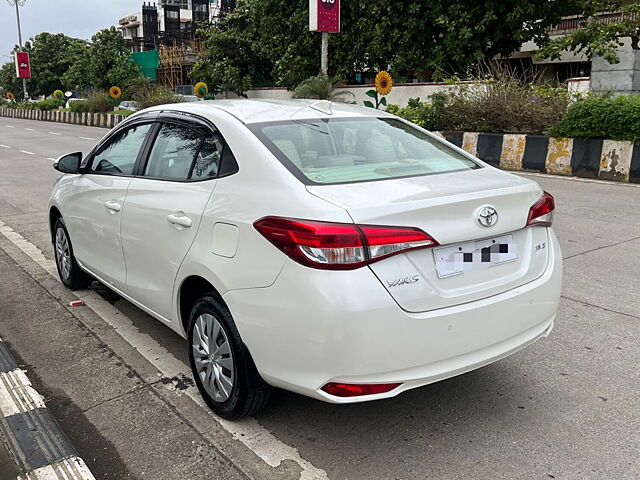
(324, 55)
(18, 4)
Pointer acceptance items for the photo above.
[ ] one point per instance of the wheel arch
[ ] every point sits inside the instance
(54, 215)
(192, 288)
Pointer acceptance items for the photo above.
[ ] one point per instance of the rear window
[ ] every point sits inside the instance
(357, 150)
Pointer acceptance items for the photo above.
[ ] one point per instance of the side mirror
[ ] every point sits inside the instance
(68, 163)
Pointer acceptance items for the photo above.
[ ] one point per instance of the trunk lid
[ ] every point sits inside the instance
(446, 206)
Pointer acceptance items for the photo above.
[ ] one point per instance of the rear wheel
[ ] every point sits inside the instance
(70, 273)
(222, 367)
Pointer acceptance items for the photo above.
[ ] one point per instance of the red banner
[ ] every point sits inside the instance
(23, 66)
(324, 16)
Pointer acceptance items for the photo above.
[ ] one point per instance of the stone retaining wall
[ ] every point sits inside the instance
(103, 120)
(582, 157)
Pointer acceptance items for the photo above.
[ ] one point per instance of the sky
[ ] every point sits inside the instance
(75, 18)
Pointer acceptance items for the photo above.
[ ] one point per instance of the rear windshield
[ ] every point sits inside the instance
(357, 150)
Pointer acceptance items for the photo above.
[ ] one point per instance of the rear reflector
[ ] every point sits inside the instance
(339, 246)
(541, 213)
(357, 390)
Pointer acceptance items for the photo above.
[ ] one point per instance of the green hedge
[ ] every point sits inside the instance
(601, 116)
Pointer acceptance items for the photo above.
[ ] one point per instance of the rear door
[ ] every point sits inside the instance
(94, 207)
(165, 203)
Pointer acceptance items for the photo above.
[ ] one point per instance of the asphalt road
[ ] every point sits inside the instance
(567, 407)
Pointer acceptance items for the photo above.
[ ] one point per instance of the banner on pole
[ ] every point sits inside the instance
(324, 16)
(23, 65)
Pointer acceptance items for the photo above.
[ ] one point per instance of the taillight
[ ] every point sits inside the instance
(541, 213)
(339, 246)
(358, 389)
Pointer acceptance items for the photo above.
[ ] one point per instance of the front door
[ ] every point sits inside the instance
(165, 203)
(94, 208)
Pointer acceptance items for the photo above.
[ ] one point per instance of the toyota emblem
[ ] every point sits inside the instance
(487, 216)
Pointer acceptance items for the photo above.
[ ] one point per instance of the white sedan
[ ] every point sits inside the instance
(332, 250)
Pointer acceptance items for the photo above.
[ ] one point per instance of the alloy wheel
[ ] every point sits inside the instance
(63, 253)
(213, 357)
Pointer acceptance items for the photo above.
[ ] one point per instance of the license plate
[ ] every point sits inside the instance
(476, 255)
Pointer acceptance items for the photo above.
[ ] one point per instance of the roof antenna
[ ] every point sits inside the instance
(323, 106)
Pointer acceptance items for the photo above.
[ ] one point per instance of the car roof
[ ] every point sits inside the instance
(250, 111)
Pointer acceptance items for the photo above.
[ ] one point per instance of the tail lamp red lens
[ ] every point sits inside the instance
(357, 389)
(541, 212)
(339, 246)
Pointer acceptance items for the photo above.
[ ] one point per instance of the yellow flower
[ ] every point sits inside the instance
(201, 89)
(384, 82)
(115, 92)
(11, 96)
(58, 94)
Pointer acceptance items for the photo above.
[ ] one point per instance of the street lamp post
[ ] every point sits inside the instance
(18, 4)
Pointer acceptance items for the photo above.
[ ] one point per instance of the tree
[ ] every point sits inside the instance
(105, 62)
(410, 38)
(51, 56)
(600, 33)
(9, 83)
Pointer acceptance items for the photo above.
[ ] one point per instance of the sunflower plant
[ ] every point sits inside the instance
(11, 97)
(201, 90)
(58, 96)
(383, 84)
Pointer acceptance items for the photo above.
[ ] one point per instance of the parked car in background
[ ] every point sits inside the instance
(332, 250)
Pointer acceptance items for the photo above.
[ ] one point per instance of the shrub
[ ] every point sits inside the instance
(79, 106)
(503, 106)
(420, 113)
(322, 88)
(156, 96)
(147, 94)
(48, 104)
(98, 102)
(606, 116)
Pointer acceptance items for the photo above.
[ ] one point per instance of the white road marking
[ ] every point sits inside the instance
(10, 126)
(5, 146)
(70, 469)
(55, 133)
(248, 431)
(27, 153)
(87, 138)
(52, 159)
(29, 129)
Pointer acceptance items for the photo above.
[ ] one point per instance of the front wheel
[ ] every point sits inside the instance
(71, 275)
(222, 367)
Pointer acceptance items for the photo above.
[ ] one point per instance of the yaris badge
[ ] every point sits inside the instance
(487, 216)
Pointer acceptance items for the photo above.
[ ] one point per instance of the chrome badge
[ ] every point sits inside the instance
(487, 216)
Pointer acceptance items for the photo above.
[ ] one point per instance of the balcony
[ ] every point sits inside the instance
(573, 23)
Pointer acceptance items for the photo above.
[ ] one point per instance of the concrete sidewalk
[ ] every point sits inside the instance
(8, 467)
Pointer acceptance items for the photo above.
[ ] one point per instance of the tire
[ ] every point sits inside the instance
(228, 381)
(71, 275)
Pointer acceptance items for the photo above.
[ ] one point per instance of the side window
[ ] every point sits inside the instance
(119, 156)
(209, 158)
(173, 152)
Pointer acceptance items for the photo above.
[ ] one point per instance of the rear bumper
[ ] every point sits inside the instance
(312, 327)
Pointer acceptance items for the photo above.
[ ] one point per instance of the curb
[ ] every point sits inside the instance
(36, 442)
(578, 157)
(103, 120)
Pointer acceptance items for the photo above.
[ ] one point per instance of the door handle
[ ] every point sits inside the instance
(180, 219)
(113, 206)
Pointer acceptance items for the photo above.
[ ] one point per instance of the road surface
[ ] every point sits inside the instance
(118, 381)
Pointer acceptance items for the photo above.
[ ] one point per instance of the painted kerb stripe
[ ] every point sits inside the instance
(34, 437)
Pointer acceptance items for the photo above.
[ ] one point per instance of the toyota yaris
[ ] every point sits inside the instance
(332, 250)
